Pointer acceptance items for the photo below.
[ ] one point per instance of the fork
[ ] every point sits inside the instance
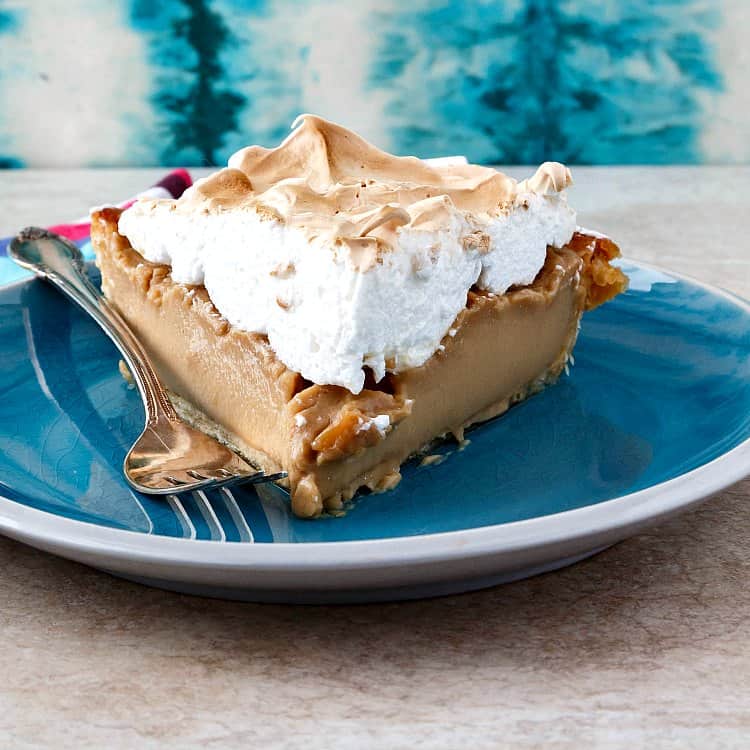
(169, 456)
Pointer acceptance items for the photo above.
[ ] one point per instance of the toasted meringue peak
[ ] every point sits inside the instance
(337, 187)
(551, 177)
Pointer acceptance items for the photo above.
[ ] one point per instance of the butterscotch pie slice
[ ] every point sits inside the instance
(329, 310)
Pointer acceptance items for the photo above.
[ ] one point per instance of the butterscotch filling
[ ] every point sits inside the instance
(332, 442)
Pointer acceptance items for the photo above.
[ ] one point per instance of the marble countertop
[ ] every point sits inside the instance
(645, 644)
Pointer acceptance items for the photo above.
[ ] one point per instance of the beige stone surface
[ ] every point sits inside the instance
(647, 644)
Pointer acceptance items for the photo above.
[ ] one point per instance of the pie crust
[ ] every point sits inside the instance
(331, 442)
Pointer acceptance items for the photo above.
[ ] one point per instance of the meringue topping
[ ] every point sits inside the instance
(340, 189)
(347, 257)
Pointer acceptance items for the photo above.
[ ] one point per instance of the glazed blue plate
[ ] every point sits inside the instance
(653, 416)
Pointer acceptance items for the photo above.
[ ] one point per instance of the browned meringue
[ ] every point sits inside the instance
(334, 185)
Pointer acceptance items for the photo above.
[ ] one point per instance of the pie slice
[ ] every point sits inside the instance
(329, 310)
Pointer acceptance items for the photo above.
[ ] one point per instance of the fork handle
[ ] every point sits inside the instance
(60, 262)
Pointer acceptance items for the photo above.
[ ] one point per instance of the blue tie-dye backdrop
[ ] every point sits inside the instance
(143, 82)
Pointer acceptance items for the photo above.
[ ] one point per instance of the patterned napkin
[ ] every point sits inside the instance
(172, 185)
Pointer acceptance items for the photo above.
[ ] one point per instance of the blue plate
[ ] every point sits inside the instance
(654, 415)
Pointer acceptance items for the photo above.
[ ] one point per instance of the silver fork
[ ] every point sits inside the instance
(168, 456)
